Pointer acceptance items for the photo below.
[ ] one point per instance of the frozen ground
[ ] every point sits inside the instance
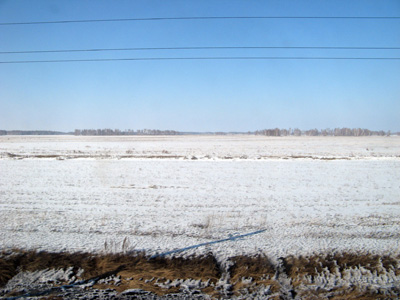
(163, 193)
(200, 147)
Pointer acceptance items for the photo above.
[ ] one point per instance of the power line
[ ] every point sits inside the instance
(195, 48)
(200, 18)
(197, 58)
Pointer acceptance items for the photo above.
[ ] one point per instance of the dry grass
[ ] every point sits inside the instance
(258, 268)
(344, 294)
(137, 268)
(299, 267)
(8, 269)
(246, 273)
(143, 273)
(313, 265)
(32, 261)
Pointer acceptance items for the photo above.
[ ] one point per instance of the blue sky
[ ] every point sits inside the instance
(199, 95)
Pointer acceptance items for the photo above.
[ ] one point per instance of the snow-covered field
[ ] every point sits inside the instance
(311, 194)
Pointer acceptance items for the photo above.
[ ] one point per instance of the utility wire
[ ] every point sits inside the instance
(199, 18)
(193, 48)
(197, 58)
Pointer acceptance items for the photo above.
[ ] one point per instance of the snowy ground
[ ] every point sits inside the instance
(163, 193)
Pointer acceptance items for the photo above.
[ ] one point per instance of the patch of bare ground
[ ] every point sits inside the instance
(156, 275)
(117, 271)
(325, 276)
(248, 274)
(313, 265)
(346, 293)
(317, 158)
(345, 276)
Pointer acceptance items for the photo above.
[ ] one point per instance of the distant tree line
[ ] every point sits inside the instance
(31, 132)
(265, 132)
(323, 132)
(108, 131)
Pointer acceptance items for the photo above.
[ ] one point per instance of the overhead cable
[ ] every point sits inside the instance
(197, 58)
(196, 48)
(202, 18)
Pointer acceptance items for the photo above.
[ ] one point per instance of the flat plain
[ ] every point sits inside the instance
(154, 194)
(162, 193)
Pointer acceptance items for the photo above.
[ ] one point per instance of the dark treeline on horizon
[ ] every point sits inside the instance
(32, 132)
(323, 132)
(264, 132)
(108, 131)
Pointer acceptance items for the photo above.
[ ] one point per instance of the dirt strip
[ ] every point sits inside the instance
(27, 274)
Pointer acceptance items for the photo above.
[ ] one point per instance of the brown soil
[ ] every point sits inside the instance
(247, 274)
(299, 267)
(312, 265)
(258, 268)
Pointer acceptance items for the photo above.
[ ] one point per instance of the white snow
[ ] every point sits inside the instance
(238, 184)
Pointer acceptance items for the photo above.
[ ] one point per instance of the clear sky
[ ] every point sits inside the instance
(214, 95)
